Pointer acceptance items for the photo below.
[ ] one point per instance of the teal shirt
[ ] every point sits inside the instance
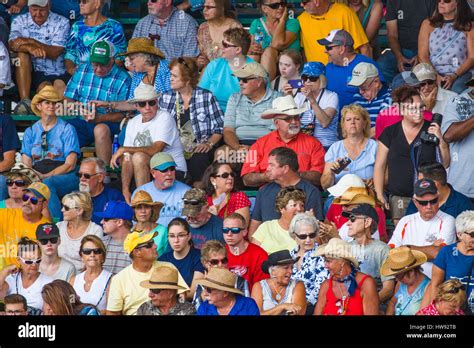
(3, 204)
(161, 239)
(292, 24)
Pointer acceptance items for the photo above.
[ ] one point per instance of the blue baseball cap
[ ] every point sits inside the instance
(314, 69)
(116, 210)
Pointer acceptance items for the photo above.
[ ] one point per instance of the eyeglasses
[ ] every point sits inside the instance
(234, 230)
(44, 141)
(246, 79)
(225, 175)
(96, 251)
(169, 169)
(276, 5)
(305, 236)
(426, 83)
(149, 102)
(17, 312)
(182, 61)
(311, 78)
(85, 175)
(329, 48)
(227, 45)
(156, 291)
(30, 262)
(470, 234)
(177, 236)
(363, 89)
(18, 183)
(192, 201)
(425, 203)
(216, 262)
(32, 199)
(288, 119)
(147, 245)
(45, 241)
(66, 208)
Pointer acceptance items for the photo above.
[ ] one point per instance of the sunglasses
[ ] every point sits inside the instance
(425, 203)
(226, 45)
(18, 183)
(66, 208)
(311, 78)
(44, 141)
(156, 291)
(32, 199)
(426, 83)
(108, 219)
(169, 169)
(182, 61)
(305, 236)
(225, 175)
(215, 262)
(149, 102)
(45, 241)
(85, 175)
(147, 245)
(276, 5)
(470, 234)
(445, 1)
(153, 1)
(30, 262)
(305, 2)
(329, 48)
(456, 289)
(208, 289)
(289, 119)
(246, 79)
(192, 201)
(234, 230)
(353, 218)
(96, 251)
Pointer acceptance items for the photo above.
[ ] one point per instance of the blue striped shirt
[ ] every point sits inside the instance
(162, 80)
(373, 107)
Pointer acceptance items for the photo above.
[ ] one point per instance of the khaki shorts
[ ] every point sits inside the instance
(398, 206)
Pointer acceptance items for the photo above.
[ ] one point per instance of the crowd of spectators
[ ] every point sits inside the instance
(293, 167)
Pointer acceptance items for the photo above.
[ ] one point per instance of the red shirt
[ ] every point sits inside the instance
(248, 265)
(237, 200)
(334, 214)
(309, 150)
(352, 305)
(390, 116)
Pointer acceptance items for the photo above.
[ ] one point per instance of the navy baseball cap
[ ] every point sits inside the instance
(116, 210)
(363, 209)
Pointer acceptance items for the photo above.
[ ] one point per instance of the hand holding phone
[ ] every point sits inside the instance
(295, 83)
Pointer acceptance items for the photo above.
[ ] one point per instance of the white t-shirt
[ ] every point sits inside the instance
(344, 234)
(69, 248)
(413, 230)
(97, 292)
(161, 128)
(32, 293)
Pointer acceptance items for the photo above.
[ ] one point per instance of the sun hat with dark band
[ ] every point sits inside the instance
(278, 258)
(402, 259)
(163, 278)
(221, 279)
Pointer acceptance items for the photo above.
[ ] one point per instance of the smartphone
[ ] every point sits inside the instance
(343, 163)
(295, 83)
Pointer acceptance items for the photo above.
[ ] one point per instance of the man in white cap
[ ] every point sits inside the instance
(150, 132)
(434, 97)
(242, 122)
(373, 95)
(286, 118)
(38, 38)
(98, 79)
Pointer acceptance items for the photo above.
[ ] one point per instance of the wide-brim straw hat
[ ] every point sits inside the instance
(142, 45)
(163, 278)
(338, 249)
(354, 195)
(143, 197)
(283, 106)
(47, 93)
(221, 279)
(402, 259)
(25, 171)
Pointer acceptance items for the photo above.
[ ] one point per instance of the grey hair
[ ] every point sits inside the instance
(99, 164)
(303, 219)
(465, 221)
(270, 271)
(150, 59)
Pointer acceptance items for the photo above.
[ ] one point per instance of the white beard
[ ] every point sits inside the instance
(84, 188)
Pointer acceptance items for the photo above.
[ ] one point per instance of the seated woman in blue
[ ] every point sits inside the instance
(51, 147)
(222, 298)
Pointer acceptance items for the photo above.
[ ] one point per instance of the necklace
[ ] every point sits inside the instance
(343, 303)
(278, 293)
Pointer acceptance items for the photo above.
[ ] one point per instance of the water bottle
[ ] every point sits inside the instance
(115, 145)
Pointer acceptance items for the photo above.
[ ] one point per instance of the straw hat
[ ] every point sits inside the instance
(221, 279)
(47, 93)
(163, 278)
(283, 106)
(142, 45)
(402, 259)
(143, 197)
(355, 195)
(143, 93)
(338, 249)
(22, 169)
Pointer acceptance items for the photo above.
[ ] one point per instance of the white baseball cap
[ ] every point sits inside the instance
(41, 3)
(362, 72)
(347, 181)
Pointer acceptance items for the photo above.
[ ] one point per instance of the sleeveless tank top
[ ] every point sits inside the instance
(410, 304)
(269, 302)
(448, 48)
(353, 303)
(96, 294)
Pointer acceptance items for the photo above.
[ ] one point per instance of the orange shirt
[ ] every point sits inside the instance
(309, 150)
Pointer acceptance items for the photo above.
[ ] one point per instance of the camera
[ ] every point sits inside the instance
(343, 163)
(428, 138)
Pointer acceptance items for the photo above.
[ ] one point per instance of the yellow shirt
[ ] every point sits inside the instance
(126, 294)
(314, 28)
(13, 227)
(273, 237)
